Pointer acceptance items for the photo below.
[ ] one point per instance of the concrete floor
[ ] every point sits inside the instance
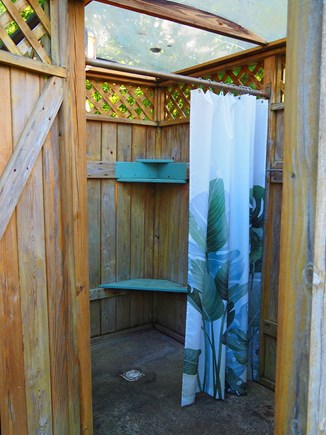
(151, 405)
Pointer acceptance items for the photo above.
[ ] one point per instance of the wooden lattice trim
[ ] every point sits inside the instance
(177, 96)
(41, 15)
(120, 100)
(242, 76)
(28, 33)
(171, 102)
(31, 42)
(176, 102)
(24, 46)
(98, 105)
(5, 18)
(8, 42)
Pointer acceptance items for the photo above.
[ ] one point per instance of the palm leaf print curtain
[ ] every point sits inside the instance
(228, 137)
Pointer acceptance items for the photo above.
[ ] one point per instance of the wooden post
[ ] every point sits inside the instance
(301, 352)
(68, 51)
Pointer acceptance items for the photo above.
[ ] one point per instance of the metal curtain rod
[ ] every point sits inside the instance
(175, 77)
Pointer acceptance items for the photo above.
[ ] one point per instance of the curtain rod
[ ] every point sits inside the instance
(175, 77)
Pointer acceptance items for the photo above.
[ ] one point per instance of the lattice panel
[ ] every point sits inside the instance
(120, 100)
(177, 96)
(25, 28)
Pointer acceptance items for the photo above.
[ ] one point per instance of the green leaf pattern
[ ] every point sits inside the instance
(227, 301)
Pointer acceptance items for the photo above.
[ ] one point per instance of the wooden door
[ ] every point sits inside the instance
(44, 310)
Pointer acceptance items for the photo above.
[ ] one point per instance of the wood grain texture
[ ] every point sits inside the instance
(101, 169)
(123, 207)
(12, 379)
(41, 14)
(301, 356)
(187, 15)
(108, 315)
(93, 149)
(108, 226)
(272, 223)
(32, 271)
(57, 298)
(171, 229)
(21, 62)
(69, 21)
(27, 149)
(128, 218)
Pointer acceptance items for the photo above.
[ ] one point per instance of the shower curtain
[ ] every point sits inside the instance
(228, 137)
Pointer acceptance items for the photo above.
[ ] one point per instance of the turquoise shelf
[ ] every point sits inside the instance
(151, 171)
(158, 285)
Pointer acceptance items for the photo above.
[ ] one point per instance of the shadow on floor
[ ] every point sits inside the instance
(151, 405)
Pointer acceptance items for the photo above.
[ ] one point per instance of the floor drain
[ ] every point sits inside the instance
(132, 375)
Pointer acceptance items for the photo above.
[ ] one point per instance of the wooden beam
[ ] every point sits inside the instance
(28, 147)
(69, 52)
(237, 59)
(189, 16)
(31, 64)
(301, 352)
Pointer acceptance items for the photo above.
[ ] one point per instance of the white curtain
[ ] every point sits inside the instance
(228, 137)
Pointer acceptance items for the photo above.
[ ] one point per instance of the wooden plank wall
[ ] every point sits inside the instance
(45, 376)
(136, 230)
(171, 231)
(34, 319)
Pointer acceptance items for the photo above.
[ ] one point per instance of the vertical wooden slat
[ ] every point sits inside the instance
(69, 18)
(95, 318)
(123, 206)
(57, 298)
(138, 232)
(108, 315)
(108, 227)
(272, 215)
(301, 352)
(94, 133)
(183, 211)
(32, 270)
(12, 383)
(108, 209)
(122, 316)
(124, 136)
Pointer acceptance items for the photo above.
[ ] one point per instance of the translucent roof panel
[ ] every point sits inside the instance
(148, 42)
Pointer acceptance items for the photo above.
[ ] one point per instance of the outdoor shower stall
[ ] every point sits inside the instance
(91, 246)
(138, 228)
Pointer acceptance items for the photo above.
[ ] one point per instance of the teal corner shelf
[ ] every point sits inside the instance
(151, 171)
(158, 285)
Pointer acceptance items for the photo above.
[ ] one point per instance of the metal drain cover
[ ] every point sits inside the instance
(132, 375)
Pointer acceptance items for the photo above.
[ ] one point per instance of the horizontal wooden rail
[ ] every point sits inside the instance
(31, 64)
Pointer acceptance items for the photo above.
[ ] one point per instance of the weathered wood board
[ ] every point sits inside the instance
(271, 256)
(136, 230)
(45, 377)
